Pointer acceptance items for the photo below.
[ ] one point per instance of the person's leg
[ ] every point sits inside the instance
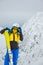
(6, 60)
(15, 56)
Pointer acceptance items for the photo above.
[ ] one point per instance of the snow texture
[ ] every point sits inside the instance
(31, 48)
(2, 47)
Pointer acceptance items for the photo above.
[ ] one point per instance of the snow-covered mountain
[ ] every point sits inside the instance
(31, 49)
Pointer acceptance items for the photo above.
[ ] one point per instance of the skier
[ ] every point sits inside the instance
(12, 39)
(15, 37)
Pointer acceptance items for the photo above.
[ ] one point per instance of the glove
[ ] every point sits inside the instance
(2, 31)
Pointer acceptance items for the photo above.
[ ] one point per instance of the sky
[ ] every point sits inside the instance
(12, 11)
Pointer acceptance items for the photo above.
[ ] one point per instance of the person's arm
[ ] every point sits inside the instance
(20, 32)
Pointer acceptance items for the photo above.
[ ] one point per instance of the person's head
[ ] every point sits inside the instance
(15, 27)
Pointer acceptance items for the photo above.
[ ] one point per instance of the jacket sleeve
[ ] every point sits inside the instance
(20, 32)
(21, 37)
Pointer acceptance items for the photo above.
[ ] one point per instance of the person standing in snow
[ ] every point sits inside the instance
(12, 39)
(15, 37)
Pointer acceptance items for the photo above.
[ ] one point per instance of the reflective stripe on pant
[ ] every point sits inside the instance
(15, 57)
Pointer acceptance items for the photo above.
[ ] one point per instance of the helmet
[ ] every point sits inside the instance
(16, 25)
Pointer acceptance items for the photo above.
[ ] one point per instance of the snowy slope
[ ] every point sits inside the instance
(2, 48)
(31, 49)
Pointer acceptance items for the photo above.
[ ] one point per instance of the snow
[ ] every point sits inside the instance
(2, 48)
(31, 48)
